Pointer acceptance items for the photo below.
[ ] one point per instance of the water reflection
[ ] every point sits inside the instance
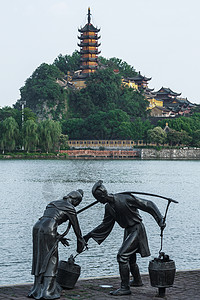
(27, 186)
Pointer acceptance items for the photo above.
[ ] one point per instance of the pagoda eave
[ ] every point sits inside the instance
(89, 44)
(87, 67)
(92, 37)
(90, 52)
(92, 59)
(82, 30)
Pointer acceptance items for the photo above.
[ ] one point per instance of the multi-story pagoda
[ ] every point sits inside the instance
(89, 47)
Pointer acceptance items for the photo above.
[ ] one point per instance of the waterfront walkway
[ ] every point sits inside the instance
(186, 286)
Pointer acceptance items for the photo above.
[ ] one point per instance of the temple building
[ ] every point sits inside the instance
(130, 83)
(150, 95)
(167, 95)
(172, 106)
(141, 81)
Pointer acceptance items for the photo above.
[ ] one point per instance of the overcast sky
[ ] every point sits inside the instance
(160, 38)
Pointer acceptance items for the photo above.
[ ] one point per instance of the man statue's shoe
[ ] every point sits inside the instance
(121, 292)
(135, 283)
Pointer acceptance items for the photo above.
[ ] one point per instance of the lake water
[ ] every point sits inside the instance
(28, 185)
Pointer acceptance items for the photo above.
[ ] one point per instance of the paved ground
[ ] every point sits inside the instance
(186, 286)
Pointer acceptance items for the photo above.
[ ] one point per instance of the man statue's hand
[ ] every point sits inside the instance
(81, 245)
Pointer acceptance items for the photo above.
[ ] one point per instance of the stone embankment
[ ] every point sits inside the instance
(135, 153)
(170, 154)
(114, 154)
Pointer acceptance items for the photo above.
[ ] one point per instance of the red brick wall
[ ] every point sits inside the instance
(102, 153)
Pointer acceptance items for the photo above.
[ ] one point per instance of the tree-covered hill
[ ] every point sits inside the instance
(104, 109)
(103, 92)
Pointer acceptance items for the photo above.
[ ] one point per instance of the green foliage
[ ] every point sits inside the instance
(63, 142)
(67, 63)
(196, 138)
(184, 130)
(104, 92)
(113, 124)
(173, 137)
(106, 125)
(73, 128)
(80, 104)
(41, 87)
(139, 129)
(8, 111)
(9, 134)
(29, 114)
(49, 135)
(114, 63)
(196, 109)
(189, 124)
(103, 88)
(133, 102)
(157, 135)
(30, 135)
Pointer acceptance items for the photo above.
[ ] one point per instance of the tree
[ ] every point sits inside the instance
(73, 128)
(132, 102)
(43, 94)
(30, 135)
(49, 135)
(29, 114)
(104, 92)
(104, 88)
(157, 135)
(196, 138)
(7, 111)
(107, 125)
(118, 64)
(185, 138)
(139, 129)
(80, 104)
(10, 134)
(63, 142)
(173, 137)
(67, 63)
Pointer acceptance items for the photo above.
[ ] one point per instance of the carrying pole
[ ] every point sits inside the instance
(164, 219)
(149, 194)
(78, 212)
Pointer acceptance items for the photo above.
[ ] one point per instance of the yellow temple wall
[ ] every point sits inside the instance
(79, 84)
(153, 102)
(130, 84)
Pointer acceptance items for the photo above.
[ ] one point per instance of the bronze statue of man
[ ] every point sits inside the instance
(123, 209)
(45, 244)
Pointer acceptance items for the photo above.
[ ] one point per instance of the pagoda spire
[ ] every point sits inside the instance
(88, 47)
(89, 16)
